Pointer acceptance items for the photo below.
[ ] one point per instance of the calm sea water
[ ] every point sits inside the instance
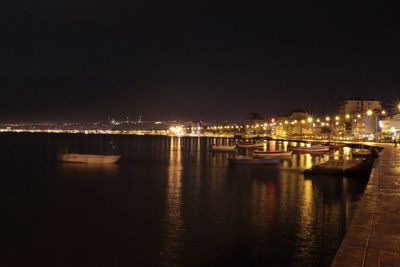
(169, 202)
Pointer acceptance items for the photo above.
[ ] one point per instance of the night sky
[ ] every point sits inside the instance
(86, 60)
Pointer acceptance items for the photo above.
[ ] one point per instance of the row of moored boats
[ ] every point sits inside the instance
(274, 156)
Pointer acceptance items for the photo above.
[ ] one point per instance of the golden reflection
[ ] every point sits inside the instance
(174, 224)
(285, 145)
(347, 151)
(306, 212)
(336, 155)
(307, 161)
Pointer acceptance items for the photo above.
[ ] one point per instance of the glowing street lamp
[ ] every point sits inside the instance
(383, 112)
(337, 118)
(347, 116)
(369, 112)
(309, 119)
(327, 118)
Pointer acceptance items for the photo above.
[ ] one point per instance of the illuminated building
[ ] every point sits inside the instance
(359, 116)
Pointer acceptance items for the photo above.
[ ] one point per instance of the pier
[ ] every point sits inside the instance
(373, 237)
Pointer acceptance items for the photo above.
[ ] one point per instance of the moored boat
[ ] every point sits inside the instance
(351, 168)
(218, 148)
(276, 153)
(252, 161)
(314, 148)
(250, 145)
(88, 158)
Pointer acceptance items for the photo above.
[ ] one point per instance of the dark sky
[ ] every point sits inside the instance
(84, 60)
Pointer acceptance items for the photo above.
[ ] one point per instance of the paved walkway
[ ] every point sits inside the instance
(373, 238)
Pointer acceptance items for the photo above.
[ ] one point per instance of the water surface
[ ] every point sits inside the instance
(169, 202)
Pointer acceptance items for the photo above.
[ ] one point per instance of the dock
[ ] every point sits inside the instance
(373, 236)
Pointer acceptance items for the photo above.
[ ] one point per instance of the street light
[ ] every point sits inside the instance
(369, 112)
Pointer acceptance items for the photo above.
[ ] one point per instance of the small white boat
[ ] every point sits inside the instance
(276, 153)
(217, 148)
(251, 145)
(252, 161)
(314, 148)
(359, 152)
(88, 158)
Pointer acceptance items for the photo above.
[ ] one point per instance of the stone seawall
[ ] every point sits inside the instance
(373, 237)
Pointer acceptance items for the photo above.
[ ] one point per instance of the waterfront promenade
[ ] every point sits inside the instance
(373, 237)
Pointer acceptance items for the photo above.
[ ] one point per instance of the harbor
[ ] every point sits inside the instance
(199, 208)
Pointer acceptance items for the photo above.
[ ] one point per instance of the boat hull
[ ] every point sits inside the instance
(254, 161)
(251, 145)
(88, 158)
(311, 149)
(265, 154)
(223, 148)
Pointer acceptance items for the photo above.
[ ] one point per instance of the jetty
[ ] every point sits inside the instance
(350, 168)
(373, 236)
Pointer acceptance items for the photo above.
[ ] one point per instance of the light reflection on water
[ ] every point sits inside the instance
(287, 200)
(171, 201)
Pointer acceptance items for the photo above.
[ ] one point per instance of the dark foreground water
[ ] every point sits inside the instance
(170, 202)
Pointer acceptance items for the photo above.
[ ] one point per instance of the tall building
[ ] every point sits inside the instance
(358, 106)
(360, 116)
